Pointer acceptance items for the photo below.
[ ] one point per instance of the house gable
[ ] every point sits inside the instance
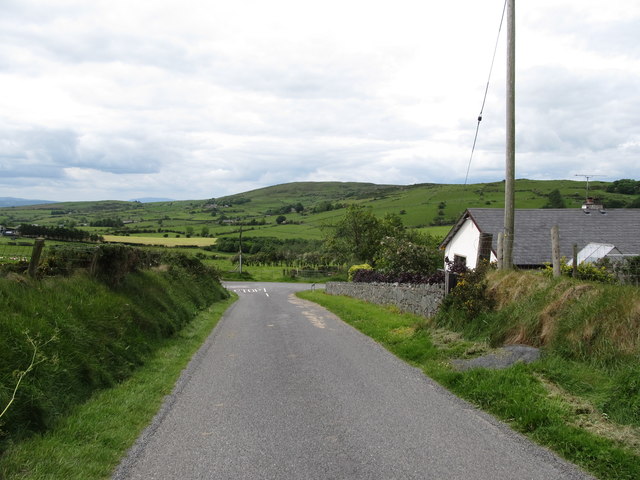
(532, 245)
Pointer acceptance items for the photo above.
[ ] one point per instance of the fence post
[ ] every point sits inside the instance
(35, 256)
(555, 250)
(500, 249)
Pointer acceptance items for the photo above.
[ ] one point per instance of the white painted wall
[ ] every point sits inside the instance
(465, 244)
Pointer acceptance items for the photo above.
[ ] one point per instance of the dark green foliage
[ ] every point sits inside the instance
(468, 299)
(356, 236)
(101, 334)
(555, 200)
(626, 186)
(107, 222)
(57, 233)
(402, 255)
(614, 203)
(360, 236)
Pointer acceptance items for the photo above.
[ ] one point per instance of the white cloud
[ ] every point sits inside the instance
(193, 99)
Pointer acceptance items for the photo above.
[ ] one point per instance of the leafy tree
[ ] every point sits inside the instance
(626, 186)
(555, 200)
(280, 219)
(402, 255)
(357, 235)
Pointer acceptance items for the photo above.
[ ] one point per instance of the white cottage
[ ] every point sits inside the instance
(619, 228)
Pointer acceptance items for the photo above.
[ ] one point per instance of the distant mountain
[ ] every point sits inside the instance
(151, 199)
(19, 202)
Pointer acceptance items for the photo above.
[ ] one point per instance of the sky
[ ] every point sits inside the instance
(195, 99)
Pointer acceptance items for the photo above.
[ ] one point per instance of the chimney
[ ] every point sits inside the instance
(592, 204)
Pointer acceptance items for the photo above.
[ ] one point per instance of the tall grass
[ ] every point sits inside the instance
(97, 336)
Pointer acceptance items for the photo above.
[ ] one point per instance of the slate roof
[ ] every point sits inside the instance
(532, 246)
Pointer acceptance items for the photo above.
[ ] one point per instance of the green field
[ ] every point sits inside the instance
(429, 207)
(165, 242)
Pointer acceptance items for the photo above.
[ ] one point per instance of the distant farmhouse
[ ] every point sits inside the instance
(598, 233)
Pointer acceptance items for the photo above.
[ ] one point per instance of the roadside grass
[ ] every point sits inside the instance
(526, 397)
(90, 441)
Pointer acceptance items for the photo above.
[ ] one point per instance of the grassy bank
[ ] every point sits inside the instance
(82, 335)
(90, 441)
(581, 399)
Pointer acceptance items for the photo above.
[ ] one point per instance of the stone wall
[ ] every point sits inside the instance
(418, 299)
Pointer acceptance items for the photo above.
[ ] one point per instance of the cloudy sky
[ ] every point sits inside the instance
(192, 99)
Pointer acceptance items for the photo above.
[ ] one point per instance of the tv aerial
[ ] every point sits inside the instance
(587, 177)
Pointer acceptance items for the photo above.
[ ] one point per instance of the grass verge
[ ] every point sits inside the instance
(519, 395)
(89, 442)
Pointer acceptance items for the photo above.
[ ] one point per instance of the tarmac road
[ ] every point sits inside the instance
(285, 390)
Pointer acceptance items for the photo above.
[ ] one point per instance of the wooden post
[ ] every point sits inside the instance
(509, 189)
(555, 250)
(240, 252)
(35, 256)
(484, 248)
(574, 272)
(500, 249)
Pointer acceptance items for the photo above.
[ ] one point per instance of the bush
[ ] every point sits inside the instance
(356, 268)
(470, 294)
(402, 255)
(586, 271)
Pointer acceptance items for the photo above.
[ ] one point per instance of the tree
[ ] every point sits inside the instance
(400, 255)
(356, 236)
(627, 186)
(555, 200)
(204, 232)
(280, 219)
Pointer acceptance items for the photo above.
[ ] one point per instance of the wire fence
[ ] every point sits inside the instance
(626, 268)
(16, 251)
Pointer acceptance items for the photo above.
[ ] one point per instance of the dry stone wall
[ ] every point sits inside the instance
(418, 299)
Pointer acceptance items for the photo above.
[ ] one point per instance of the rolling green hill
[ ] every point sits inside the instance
(306, 206)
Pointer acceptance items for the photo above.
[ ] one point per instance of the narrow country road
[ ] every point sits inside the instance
(285, 390)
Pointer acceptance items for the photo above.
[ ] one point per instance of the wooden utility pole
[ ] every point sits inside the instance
(240, 252)
(509, 208)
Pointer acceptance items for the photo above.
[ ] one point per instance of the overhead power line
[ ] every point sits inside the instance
(486, 91)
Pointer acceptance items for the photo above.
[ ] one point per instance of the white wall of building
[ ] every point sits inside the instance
(465, 244)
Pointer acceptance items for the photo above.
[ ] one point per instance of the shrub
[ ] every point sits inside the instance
(356, 268)
(470, 295)
(586, 271)
(402, 255)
